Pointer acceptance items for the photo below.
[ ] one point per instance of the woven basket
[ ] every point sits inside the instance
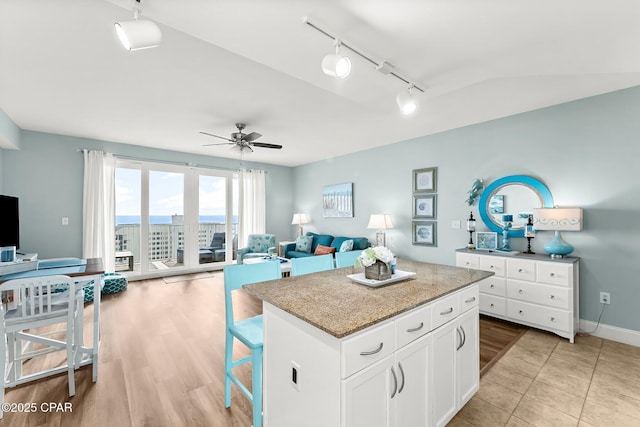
(378, 271)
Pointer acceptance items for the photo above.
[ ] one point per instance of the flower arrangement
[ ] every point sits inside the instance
(369, 256)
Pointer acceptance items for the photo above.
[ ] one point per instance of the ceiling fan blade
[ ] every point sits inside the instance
(216, 136)
(265, 145)
(219, 143)
(251, 137)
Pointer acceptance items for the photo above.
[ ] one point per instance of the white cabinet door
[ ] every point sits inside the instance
(443, 397)
(367, 395)
(468, 357)
(412, 399)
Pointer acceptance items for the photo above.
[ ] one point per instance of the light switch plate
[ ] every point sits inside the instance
(455, 224)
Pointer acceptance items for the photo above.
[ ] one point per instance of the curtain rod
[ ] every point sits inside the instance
(168, 162)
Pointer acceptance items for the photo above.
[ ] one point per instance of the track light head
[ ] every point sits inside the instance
(138, 34)
(336, 65)
(406, 101)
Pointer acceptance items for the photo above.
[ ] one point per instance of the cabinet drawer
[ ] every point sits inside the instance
(537, 293)
(444, 309)
(469, 297)
(367, 348)
(467, 261)
(555, 273)
(494, 264)
(494, 285)
(413, 325)
(538, 315)
(523, 270)
(492, 304)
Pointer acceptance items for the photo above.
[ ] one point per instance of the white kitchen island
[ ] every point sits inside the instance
(337, 353)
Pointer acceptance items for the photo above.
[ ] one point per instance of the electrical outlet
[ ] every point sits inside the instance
(605, 298)
(455, 224)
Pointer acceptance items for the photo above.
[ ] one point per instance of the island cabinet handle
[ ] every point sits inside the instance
(472, 299)
(402, 377)
(459, 339)
(369, 353)
(464, 337)
(417, 328)
(444, 313)
(395, 382)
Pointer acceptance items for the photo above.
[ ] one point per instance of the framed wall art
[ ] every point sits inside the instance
(486, 240)
(337, 201)
(424, 206)
(424, 180)
(424, 233)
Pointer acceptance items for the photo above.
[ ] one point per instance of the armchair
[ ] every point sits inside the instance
(257, 245)
(206, 253)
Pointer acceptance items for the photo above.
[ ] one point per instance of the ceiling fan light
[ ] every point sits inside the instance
(336, 65)
(407, 103)
(138, 34)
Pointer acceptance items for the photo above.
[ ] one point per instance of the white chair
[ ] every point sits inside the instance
(31, 303)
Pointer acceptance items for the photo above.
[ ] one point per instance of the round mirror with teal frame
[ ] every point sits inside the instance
(541, 190)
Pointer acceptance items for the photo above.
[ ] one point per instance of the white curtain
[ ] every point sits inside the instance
(252, 204)
(98, 208)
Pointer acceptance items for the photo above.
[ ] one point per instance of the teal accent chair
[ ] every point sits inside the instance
(247, 331)
(346, 259)
(308, 265)
(258, 245)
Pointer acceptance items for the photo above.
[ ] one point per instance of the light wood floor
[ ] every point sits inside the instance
(162, 358)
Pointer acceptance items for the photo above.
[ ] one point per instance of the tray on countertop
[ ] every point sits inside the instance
(398, 276)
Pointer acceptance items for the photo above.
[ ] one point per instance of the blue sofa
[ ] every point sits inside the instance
(359, 243)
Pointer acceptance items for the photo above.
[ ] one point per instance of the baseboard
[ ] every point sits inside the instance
(613, 333)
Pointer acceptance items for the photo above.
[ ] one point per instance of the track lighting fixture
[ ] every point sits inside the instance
(406, 101)
(336, 65)
(139, 33)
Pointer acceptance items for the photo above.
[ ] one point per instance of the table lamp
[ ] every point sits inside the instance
(380, 222)
(299, 219)
(558, 219)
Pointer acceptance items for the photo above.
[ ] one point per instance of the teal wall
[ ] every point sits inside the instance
(585, 151)
(47, 172)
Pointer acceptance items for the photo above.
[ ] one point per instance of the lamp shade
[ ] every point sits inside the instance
(138, 34)
(558, 219)
(300, 218)
(380, 221)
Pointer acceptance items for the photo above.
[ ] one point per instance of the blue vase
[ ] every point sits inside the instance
(558, 247)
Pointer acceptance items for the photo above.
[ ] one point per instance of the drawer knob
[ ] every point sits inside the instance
(552, 274)
(491, 305)
(553, 319)
(468, 263)
(491, 267)
(520, 270)
(492, 286)
(470, 300)
(369, 353)
(552, 296)
(444, 313)
(521, 292)
(520, 312)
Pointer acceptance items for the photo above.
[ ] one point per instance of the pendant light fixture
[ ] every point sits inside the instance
(335, 64)
(406, 101)
(139, 33)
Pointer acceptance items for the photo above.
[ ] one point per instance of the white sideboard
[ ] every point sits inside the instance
(532, 290)
(415, 369)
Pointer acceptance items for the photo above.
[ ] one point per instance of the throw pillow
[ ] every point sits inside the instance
(346, 246)
(324, 250)
(303, 244)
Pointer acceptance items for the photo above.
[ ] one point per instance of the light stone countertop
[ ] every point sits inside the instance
(330, 301)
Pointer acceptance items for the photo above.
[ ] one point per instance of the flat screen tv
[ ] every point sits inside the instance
(10, 223)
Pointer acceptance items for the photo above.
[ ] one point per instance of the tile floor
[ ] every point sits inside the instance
(543, 380)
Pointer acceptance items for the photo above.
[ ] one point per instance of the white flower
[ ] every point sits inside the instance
(369, 256)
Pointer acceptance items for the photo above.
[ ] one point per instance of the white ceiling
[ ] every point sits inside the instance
(63, 71)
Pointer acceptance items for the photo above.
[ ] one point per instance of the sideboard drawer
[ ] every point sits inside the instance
(367, 348)
(413, 325)
(445, 309)
(535, 314)
(537, 293)
(555, 273)
(494, 285)
(522, 270)
(494, 264)
(467, 260)
(493, 305)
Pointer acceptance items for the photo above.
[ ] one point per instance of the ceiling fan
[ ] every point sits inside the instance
(242, 140)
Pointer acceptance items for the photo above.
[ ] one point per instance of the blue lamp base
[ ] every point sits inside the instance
(557, 247)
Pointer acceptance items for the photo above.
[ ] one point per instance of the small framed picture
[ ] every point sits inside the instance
(424, 206)
(424, 233)
(486, 240)
(424, 180)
